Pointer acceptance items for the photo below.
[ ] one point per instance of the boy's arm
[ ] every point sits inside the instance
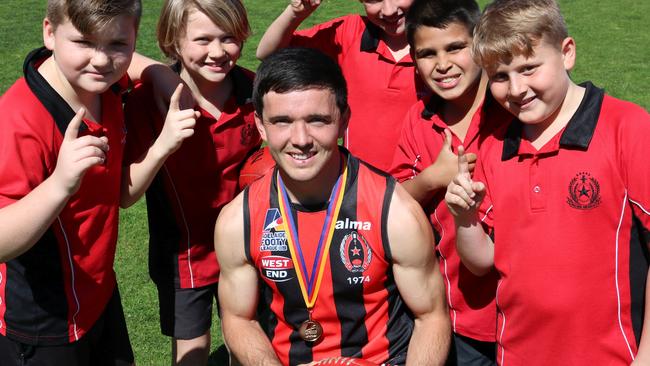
(463, 198)
(238, 291)
(643, 354)
(24, 222)
(137, 176)
(162, 79)
(418, 280)
(422, 187)
(278, 34)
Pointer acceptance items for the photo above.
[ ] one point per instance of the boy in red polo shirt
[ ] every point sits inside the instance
(60, 189)
(374, 55)
(196, 179)
(460, 112)
(564, 194)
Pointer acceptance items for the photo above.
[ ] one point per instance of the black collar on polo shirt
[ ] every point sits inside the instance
(370, 37)
(241, 83)
(578, 132)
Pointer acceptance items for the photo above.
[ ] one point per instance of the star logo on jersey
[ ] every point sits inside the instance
(274, 238)
(355, 252)
(584, 192)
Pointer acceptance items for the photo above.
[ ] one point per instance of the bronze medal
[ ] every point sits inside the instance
(310, 330)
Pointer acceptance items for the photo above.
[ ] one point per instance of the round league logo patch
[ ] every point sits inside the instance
(355, 252)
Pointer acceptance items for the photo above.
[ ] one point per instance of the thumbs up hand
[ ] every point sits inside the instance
(463, 195)
(77, 155)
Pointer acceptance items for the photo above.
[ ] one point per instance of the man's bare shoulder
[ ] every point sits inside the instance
(409, 231)
(229, 230)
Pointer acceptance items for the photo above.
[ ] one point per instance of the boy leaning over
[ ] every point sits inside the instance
(563, 192)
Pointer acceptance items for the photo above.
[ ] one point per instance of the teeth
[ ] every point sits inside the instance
(301, 156)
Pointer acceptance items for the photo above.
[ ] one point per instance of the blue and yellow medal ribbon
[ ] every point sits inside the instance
(308, 287)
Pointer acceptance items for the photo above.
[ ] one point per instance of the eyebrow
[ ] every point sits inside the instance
(310, 117)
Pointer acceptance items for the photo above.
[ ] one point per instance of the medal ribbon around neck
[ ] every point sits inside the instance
(308, 286)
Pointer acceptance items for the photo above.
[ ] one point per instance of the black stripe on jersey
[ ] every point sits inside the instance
(639, 260)
(164, 235)
(36, 312)
(400, 320)
(247, 229)
(348, 300)
(299, 350)
(390, 188)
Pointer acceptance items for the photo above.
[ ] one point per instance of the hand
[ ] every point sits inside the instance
(445, 168)
(303, 8)
(163, 83)
(77, 155)
(179, 125)
(463, 195)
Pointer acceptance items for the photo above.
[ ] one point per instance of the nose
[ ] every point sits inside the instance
(100, 58)
(517, 87)
(388, 8)
(443, 65)
(216, 50)
(300, 136)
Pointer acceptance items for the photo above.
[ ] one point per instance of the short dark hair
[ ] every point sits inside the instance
(293, 69)
(440, 14)
(91, 16)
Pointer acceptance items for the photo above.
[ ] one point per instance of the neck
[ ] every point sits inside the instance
(397, 44)
(316, 191)
(209, 95)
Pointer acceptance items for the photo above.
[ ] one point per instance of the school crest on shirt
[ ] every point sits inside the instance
(584, 192)
(274, 237)
(355, 252)
(247, 134)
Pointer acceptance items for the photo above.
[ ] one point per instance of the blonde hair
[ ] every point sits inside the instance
(229, 15)
(511, 28)
(91, 16)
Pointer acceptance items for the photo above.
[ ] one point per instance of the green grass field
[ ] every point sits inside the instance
(613, 52)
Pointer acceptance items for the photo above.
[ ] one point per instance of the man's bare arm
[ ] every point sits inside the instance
(418, 279)
(238, 291)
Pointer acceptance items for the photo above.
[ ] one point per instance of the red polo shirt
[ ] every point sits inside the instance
(570, 224)
(470, 298)
(380, 88)
(195, 182)
(53, 293)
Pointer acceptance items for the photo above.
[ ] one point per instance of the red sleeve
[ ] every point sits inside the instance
(142, 120)
(407, 160)
(29, 143)
(634, 129)
(332, 37)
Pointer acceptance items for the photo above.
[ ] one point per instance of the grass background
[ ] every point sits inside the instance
(613, 52)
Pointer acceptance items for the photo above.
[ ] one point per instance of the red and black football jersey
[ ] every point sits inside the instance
(358, 305)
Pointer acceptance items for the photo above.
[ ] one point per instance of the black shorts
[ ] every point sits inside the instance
(106, 343)
(186, 313)
(467, 351)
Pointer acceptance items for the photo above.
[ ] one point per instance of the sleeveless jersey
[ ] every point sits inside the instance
(358, 304)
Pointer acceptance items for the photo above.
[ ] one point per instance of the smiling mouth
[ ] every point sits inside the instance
(302, 156)
(526, 102)
(447, 82)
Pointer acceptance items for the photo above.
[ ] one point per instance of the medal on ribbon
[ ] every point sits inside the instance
(310, 281)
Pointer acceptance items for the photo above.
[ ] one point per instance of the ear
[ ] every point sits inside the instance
(345, 118)
(569, 53)
(260, 126)
(48, 34)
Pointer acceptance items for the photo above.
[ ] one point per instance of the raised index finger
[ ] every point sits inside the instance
(174, 101)
(463, 164)
(72, 131)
